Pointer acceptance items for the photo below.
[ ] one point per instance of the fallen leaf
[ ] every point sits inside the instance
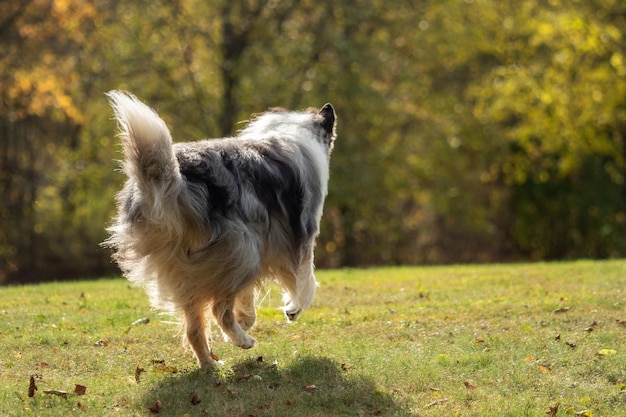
(561, 310)
(584, 413)
(81, 406)
(310, 388)
(56, 392)
(553, 410)
(558, 337)
(345, 367)
(32, 387)
(437, 402)
(478, 341)
(80, 389)
(468, 385)
(529, 358)
(243, 377)
(156, 407)
(544, 369)
(214, 357)
(143, 320)
(259, 359)
(138, 372)
(570, 344)
(606, 352)
(195, 400)
(101, 343)
(162, 368)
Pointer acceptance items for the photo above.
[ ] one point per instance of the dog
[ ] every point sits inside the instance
(200, 225)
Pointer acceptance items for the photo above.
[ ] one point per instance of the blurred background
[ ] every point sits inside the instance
(469, 131)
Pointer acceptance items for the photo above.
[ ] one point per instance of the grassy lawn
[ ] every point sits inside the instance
(496, 340)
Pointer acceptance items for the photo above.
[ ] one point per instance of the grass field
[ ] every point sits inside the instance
(496, 340)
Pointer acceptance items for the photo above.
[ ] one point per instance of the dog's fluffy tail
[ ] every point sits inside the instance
(149, 159)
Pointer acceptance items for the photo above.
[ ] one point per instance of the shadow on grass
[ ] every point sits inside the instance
(310, 386)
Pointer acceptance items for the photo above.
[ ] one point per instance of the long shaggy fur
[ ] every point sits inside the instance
(200, 224)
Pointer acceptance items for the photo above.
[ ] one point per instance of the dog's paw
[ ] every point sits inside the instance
(245, 342)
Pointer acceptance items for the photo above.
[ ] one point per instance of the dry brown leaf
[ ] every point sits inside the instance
(310, 388)
(561, 310)
(80, 389)
(32, 387)
(469, 385)
(138, 372)
(553, 410)
(195, 400)
(156, 408)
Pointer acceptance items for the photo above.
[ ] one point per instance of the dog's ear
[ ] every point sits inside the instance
(328, 117)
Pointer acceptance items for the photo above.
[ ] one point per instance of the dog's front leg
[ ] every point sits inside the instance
(195, 331)
(232, 331)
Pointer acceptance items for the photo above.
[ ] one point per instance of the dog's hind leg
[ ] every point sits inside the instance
(245, 311)
(195, 331)
(299, 288)
(232, 331)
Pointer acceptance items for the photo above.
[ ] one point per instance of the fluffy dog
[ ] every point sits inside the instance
(201, 224)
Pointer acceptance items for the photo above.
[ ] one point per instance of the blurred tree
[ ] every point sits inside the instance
(468, 131)
(39, 121)
(557, 101)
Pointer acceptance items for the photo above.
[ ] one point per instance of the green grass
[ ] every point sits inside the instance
(497, 340)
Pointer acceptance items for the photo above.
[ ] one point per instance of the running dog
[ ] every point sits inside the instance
(200, 225)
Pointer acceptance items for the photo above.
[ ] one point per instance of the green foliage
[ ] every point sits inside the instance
(468, 131)
(493, 340)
